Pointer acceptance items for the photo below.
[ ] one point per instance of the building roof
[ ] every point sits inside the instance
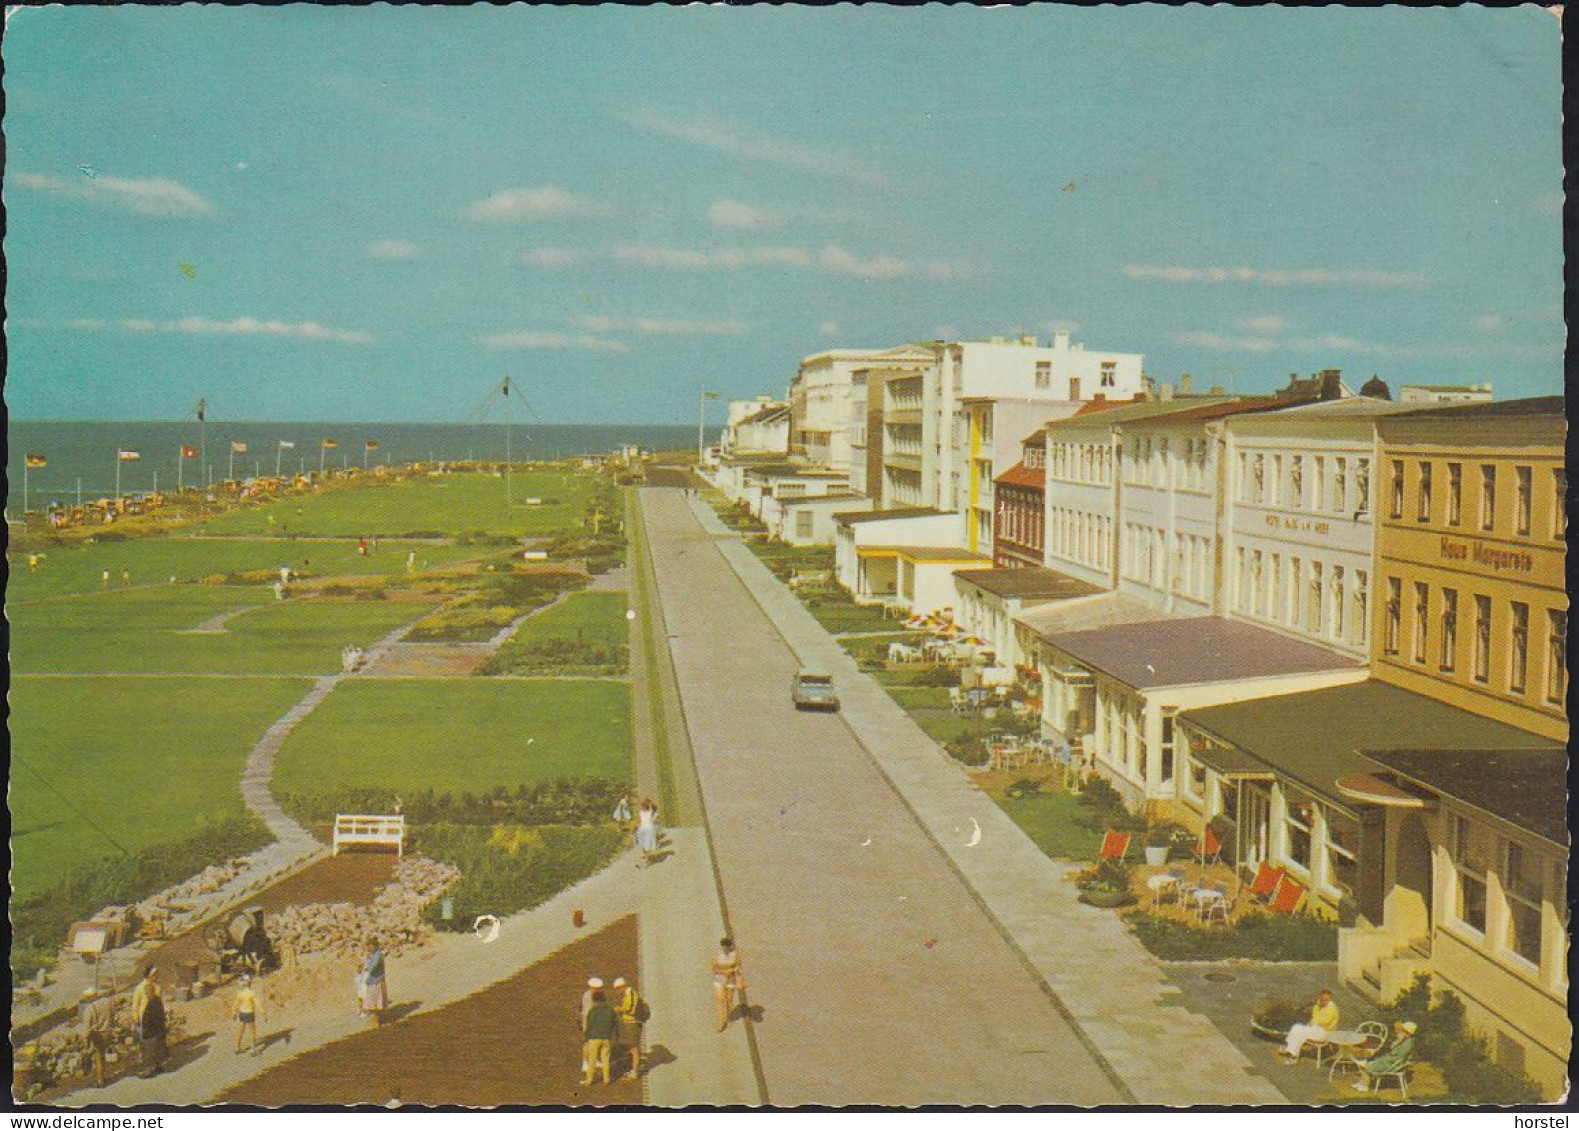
(1078, 613)
(832, 498)
(1021, 476)
(1192, 650)
(1026, 582)
(922, 553)
(1315, 737)
(1202, 414)
(795, 471)
(853, 518)
(1526, 788)
(1450, 388)
(1140, 410)
(763, 415)
(1476, 410)
(1346, 408)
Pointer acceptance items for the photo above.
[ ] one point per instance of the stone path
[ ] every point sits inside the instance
(219, 623)
(1097, 974)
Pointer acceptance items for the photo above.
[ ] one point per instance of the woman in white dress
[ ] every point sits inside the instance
(647, 831)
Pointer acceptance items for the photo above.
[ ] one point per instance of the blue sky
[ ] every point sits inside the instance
(357, 214)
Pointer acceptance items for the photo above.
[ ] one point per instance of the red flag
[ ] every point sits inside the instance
(188, 451)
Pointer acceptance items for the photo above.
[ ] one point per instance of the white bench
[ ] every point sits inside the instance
(359, 828)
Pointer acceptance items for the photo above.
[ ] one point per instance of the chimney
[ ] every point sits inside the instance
(1060, 339)
(1165, 391)
(1331, 387)
(1184, 385)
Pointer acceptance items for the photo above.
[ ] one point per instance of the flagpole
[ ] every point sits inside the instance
(180, 469)
(279, 454)
(231, 474)
(323, 451)
(24, 487)
(118, 462)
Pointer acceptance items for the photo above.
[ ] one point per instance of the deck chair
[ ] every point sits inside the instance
(1289, 895)
(1209, 849)
(1264, 886)
(1115, 846)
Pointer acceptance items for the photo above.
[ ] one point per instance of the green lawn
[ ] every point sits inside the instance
(838, 615)
(442, 504)
(586, 634)
(596, 617)
(1061, 827)
(453, 735)
(145, 759)
(141, 630)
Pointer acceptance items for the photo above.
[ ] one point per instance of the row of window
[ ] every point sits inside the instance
(1320, 599)
(1486, 496)
(1303, 481)
(1147, 463)
(1044, 377)
(1081, 463)
(1079, 536)
(1446, 658)
(1020, 517)
(1520, 878)
(1174, 563)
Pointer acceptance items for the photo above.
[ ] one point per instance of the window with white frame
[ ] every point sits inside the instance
(1449, 653)
(1362, 485)
(1392, 616)
(803, 524)
(1109, 374)
(1337, 602)
(1340, 484)
(1522, 883)
(1521, 499)
(1556, 656)
(1044, 374)
(1395, 492)
(1359, 627)
(1423, 493)
(1299, 821)
(1455, 494)
(1422, 620)
(1318, 483)
(1343, 845)
(1471, 849)
(1488, 496)
(1296, 582)
(1519, 650)
(1165, 748)
(1480, 658)
(1296, 481)
(1314, 606)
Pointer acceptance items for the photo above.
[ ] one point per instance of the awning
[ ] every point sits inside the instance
(1073, 677)
(1230, 762)
(1374, 790)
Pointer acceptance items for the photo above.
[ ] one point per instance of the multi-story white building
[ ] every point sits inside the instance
(757, 424)
(1298, 533)
(822, 405)
(1419, 395)
(995, 442)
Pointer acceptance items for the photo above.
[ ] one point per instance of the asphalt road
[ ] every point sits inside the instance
(874, 974)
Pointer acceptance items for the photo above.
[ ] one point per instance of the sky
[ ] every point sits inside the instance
(378, 213)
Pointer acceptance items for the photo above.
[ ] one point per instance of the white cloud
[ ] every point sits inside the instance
(268, 327)
(733, 214)
(546, 203)
(552, 256)
(547, 340)
(1274, 276)
(601, 325)
(729, 139)
(1263, 324)
(841, 262)
(1329, 344)
(392, 249)
(725, 258)
(151, 196)
(827, 329)
(1204, 339)
(1491, 323)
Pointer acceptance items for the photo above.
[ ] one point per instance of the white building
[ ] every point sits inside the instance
(822, 405)
(759, 424)
(1444, 394)
(1298, 534)
(867, 552)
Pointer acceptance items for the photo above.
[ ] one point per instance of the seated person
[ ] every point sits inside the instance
(1392, 1059)
(1323, 1020)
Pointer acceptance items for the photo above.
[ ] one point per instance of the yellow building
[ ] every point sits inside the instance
(1471, 604)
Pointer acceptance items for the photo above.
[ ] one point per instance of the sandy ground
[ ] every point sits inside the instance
(516, 1042)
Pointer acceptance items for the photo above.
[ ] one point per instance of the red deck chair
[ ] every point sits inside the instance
(1264, 886)
(1209, 849)
(1289, 895)
(1115, 846)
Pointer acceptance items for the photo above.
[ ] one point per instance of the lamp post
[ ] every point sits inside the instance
(701, 427)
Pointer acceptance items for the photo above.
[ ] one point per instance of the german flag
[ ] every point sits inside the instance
(36, 460)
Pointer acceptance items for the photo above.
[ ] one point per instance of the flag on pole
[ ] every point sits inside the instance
(124, 454)
(201, 410)
(372, 445)
(287, 443)
(709, 396)
(331, 443)
(239, 447)
(188, 451)
(34, 460)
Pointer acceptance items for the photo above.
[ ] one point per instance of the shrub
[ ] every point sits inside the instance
(570, 801)
(1024, 787)
(1100, 795)
(968, 749)
(559, 657)
(506, 868)
(1472, 1077)
(1104, 875)
(1268, 938)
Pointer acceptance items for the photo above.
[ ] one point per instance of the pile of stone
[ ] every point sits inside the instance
(62, 1056)
(190, 892)
(393, 919)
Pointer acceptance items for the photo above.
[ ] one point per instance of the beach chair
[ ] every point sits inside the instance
(1289, 895)
(1209, 849)
(1115, 846)
(1264, 886)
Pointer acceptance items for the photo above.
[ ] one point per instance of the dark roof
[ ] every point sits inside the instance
(852, 517)
(1077, 615)
(1526, 788)
(1315, 737)
(1525, 406)
(764, 414)
(1121, 413)
(924, 553)
(1021, 476)
(795, 471)
(1191, 650)
(1208, 412)
(1026, 582)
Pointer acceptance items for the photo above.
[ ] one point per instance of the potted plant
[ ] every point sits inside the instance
(1159, 843)
(1105, 884)
(1273, 1020)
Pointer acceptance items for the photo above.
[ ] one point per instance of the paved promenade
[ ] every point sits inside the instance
(1080, 957)
(876, 975)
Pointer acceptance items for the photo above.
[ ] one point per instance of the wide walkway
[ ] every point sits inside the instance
(874, 975)
(1081, 958)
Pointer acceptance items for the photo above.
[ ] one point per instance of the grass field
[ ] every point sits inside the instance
(151, 561)
(144, 759)
(586, 634)
(147, 630)
(442, 504)
(455, 735)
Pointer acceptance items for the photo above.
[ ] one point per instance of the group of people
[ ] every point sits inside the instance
(646, 827)
(150, 1025)
(1391, 1056)
(610, 1020)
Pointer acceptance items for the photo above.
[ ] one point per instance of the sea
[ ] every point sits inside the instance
(82, 457)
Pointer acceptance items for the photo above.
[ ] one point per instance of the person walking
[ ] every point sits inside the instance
(246, 1010)
(1323, 1020)
(647, 832)
(594, 985)
(99, 1029)
(622, 812)
(598, 1033)
(631, 1011)
(154, 1028)
(727, 980)
(371, 987)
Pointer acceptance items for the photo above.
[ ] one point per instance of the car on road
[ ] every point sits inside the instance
(811, 689)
